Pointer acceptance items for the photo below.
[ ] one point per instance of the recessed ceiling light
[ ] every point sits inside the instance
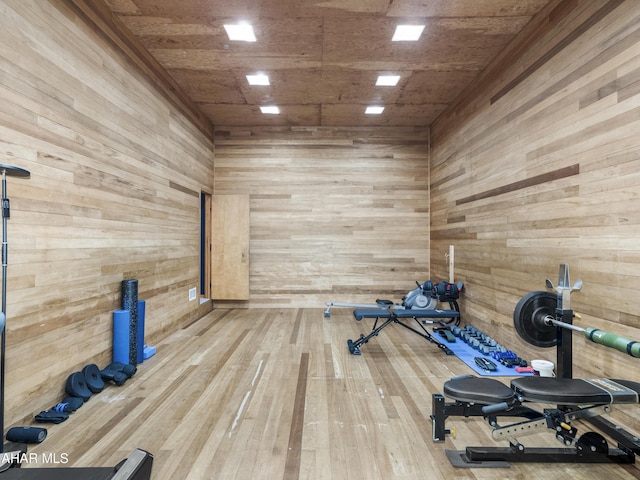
(242, 32)
(388, 80)
(270, 110)
(258, 79)
(374, 110)
(407, 33)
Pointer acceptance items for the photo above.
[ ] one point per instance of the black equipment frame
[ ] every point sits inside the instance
(354, 346)
(590, 450)
(7, 170)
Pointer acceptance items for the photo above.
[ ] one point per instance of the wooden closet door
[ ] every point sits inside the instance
(230, 245)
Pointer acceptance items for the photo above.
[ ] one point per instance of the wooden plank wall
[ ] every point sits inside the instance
(539, 165)
(116, 173)
(337, 214)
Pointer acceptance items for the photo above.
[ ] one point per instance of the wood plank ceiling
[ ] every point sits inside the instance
(323, 56)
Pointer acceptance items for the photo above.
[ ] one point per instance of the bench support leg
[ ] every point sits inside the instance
(476, 456)
(354, 347)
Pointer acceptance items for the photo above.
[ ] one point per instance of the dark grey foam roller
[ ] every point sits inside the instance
(130, 302)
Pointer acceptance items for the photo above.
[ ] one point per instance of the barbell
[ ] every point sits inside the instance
(535, 321)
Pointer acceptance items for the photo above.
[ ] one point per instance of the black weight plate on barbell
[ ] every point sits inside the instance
(528, 319)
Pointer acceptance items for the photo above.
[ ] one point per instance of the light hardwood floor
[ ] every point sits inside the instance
(274, 393)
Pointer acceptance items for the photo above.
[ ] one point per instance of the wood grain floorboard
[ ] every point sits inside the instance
(294, 449)
(275, 393)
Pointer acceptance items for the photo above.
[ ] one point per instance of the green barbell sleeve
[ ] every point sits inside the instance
(613, 340)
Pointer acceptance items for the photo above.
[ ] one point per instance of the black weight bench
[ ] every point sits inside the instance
(390, 316)
(574, 399)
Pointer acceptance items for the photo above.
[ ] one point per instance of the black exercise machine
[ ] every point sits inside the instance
(544, 320)
(420, 298)
(440, 292)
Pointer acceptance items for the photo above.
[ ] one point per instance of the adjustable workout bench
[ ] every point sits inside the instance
(576, 399)
(544, 320)
(443, 317)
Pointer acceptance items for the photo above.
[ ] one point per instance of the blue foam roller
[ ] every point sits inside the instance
(121, 320)
(140, 338)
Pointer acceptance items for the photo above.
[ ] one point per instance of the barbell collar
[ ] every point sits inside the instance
(549, 320)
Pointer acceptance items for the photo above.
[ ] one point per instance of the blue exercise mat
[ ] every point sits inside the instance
(467, 353)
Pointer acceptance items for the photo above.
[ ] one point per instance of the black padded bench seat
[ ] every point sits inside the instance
(566, 391)
(576, 391)
(359, 314)
(484, 391)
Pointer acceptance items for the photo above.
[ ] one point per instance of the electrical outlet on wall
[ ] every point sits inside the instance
(192, 294)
